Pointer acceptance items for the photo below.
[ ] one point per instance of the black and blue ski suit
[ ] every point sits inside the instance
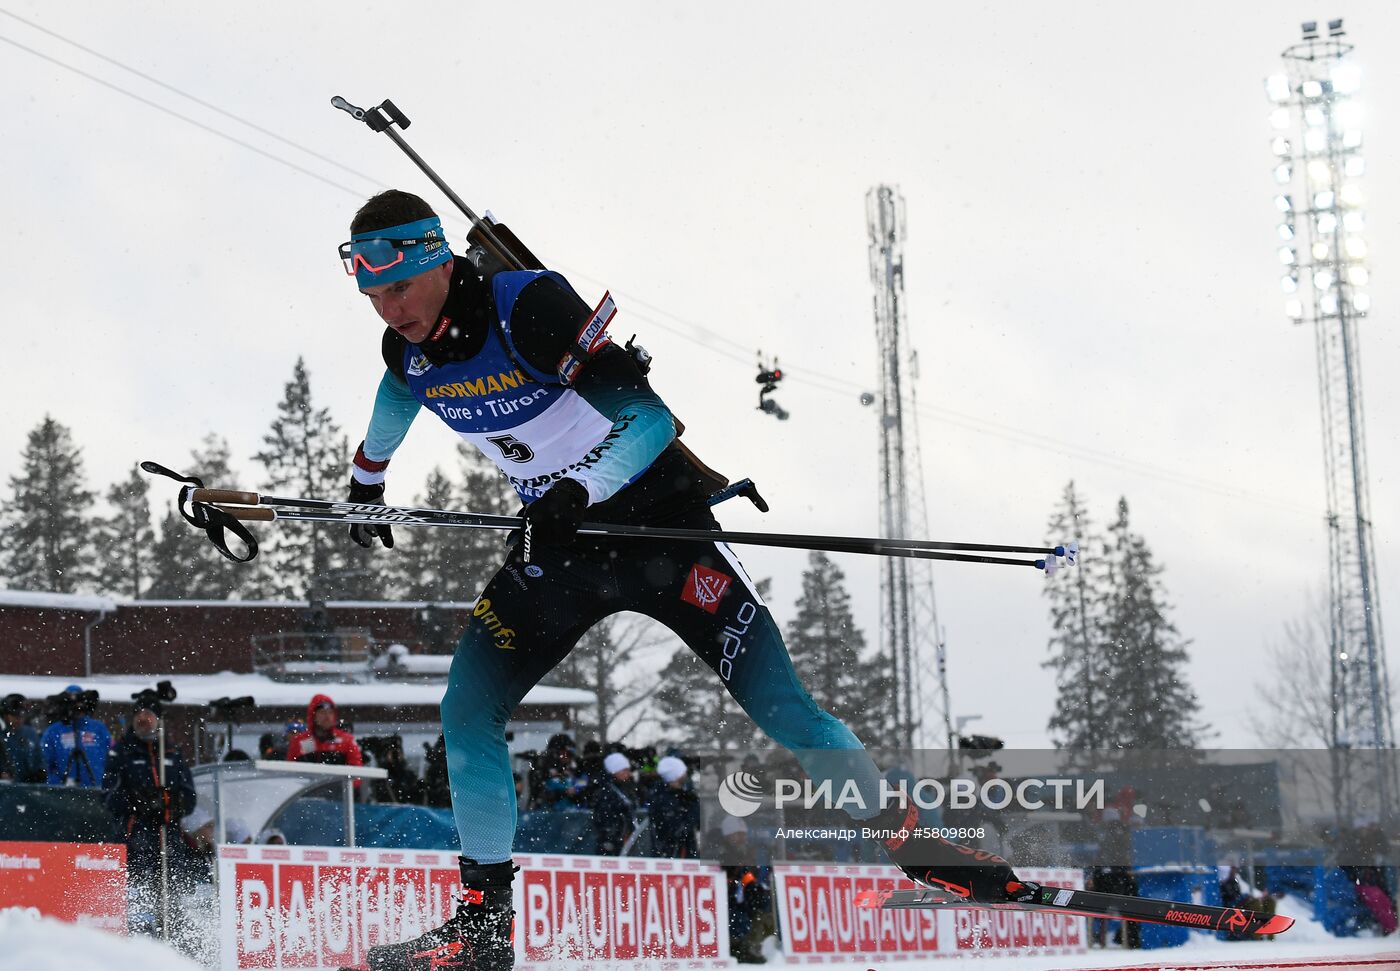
(491, 371)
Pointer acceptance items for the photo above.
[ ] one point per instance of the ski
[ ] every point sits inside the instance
(1089, 903)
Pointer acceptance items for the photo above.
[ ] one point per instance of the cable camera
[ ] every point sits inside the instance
(768, 378)
(155, 698)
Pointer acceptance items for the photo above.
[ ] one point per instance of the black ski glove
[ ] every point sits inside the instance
(365, 533)
(555, 516)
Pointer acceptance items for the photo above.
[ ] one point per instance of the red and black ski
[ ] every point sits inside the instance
(1089, 903)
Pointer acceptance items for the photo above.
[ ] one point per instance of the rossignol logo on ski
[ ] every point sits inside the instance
(704, 587)
(1186, 917)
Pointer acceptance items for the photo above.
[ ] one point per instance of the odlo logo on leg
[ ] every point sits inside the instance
(731, 639)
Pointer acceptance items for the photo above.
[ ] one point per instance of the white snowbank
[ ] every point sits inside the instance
(29, 943)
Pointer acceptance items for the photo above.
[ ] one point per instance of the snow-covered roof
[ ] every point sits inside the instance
(200, 689)
(302, 604)
(55, 601)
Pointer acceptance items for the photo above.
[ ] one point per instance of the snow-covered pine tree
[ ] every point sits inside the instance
(484, 489)
(45, 527)
(454, 564)
(305, 455)
(426, 563)
(1153, 705)
(126, 567)
(828, 650)
(1078, 653)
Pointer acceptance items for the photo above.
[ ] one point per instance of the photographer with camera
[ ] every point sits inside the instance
(149, 790)
(402, 786)
(75, 744)
(21, 741)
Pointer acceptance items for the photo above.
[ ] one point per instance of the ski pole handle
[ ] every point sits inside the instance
(225, 495)
(260, 514)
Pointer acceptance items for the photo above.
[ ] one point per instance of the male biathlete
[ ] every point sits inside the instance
(519, 366)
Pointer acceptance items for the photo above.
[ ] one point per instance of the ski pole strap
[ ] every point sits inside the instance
(213, 520)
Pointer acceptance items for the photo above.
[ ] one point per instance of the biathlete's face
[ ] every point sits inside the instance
(412, 306)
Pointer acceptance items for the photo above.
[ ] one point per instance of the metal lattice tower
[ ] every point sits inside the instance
(910, 635)
(1317, 149)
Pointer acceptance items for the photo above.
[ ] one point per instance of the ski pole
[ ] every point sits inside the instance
(164, 824)
(215, 509)
(382, 118)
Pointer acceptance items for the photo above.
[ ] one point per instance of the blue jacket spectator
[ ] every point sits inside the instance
(75, 751)
(21, 741)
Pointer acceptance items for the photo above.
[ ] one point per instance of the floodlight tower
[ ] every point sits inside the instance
(1317, 162)
(910, 635)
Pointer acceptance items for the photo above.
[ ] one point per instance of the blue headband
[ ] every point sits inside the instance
(374, 249)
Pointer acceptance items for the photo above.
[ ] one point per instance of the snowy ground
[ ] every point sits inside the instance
(32, 944)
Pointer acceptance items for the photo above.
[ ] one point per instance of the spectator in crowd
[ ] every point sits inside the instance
(675, 812)
(556, 782)
(1235, 893)
(273, 748)
(148, 812)
(750, 889)
(1364, 852)
(236, 831)
(590, 767)
(615, 802)
(75, 746)
(21, 741)
(273, 836)
(436, 791)
(402, 785)
(980, 818)
(1114, 874)
(198, 828)
(1231, 890)
(324, 741)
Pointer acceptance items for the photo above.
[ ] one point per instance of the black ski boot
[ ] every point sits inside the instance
(477, 938)
(960, 871)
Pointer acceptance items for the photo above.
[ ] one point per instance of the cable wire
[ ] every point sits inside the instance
(700, 335)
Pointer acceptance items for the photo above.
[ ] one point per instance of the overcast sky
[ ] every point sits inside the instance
(1090, 264)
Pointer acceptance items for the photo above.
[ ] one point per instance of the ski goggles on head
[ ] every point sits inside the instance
(396, 253)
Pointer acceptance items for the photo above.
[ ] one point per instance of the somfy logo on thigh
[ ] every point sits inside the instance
(740, 793)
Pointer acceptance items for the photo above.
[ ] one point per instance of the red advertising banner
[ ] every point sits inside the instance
(820, 921)
(84, 883)
(304, 907)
